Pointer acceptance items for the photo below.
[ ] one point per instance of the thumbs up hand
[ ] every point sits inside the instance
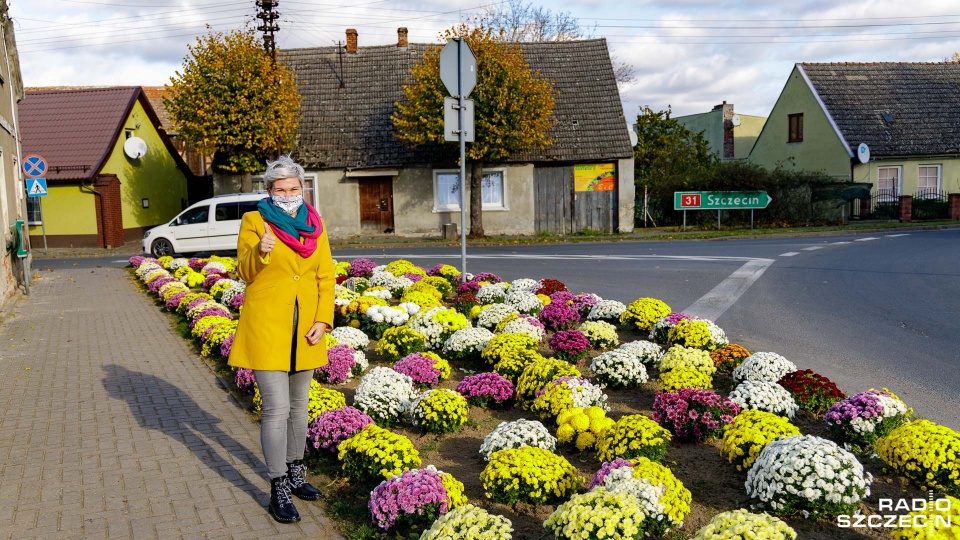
(267, 241)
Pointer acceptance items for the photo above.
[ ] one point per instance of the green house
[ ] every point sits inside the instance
(112, 172)
(892, 125)
(729, 135)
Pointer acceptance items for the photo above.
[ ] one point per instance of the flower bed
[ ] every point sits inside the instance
(577, 436)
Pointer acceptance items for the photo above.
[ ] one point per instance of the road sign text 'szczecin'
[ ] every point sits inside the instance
(720, 200)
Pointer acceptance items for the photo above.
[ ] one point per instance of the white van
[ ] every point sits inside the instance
(209, 225)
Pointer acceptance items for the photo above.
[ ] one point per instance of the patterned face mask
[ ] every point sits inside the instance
(288, 204)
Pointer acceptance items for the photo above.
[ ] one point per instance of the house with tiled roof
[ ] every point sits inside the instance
(200, 165)
(365, 180)
(112, 171)
(894, 126)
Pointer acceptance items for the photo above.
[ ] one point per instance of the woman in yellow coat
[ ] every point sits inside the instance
(284, 256)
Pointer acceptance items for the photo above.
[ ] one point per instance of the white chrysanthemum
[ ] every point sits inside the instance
(396, 284)
(148, 267)
(213, 267)
(764, 396)
(763, 366)
(619, 368)
(394, 316)
(523, 301)
(649, 353)
(493, 293)
(805, 469)
(411, 308)
(602, 335)
(525, 284)
(586, 394)
(522, 325)
(384, 394)
(622, 480)
(466, 342)
(607, 310)
(435, 332)
(342, 293)
(177, 263)
(353, 337)
(490, 317)
(716, 333)
(378, 293)
(517, 434)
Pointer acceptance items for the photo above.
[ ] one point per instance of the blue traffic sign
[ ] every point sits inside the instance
(34, 166)
(37, 187)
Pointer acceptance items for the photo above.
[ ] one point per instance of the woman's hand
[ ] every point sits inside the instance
(267, 241)
(315, 334)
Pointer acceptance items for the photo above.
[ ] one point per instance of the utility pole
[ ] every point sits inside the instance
(268, 25)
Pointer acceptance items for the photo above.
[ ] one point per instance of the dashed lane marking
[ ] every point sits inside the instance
(866, 239)
(896, 235)
(790, 254)
(838, 243)
(811, 248)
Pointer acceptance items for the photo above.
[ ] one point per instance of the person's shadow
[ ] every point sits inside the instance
(159, 405)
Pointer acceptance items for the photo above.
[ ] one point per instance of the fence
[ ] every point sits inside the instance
(883, 204)
(930, 204)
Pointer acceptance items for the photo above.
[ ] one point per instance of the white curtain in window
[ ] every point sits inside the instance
(928, 180)
(492, 189)
(448, 190)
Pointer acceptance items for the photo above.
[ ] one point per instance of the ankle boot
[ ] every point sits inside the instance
(297, 474)
(281, 505)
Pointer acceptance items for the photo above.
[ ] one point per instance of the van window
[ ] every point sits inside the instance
(194, 215)
(248, 206)
(232, 211)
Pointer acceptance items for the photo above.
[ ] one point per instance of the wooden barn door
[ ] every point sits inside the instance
(552, 199)
(596, 210)
(376, 204)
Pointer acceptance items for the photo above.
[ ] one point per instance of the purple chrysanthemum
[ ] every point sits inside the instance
(605, 469)
(227, 346)
(559, 316)
(244, 377)
(333, 427)
(361, 267)
(174, 300)
(569, 345)
(209, 312)
(341, 361)
(407, 495)
(486, 389)
(420, 368)
(159, 281)
(693, 415)
(413, 276)
(136, 260)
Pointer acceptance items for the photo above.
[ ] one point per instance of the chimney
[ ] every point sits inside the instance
(401, 37)
(728, 149)
(351, 40)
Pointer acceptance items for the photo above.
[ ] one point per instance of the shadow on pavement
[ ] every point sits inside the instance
(161, 406)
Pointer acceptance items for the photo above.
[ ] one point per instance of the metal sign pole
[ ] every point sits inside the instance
(463, 164)
(718, 220)
(43, 227)
(751, 219)
(684, 221)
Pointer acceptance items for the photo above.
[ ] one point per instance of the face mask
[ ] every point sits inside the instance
(288, 204)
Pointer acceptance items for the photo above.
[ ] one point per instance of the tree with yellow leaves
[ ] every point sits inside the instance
(233, 102)
(513, 106)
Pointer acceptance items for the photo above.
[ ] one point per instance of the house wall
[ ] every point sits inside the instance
(909, 173)
(745, 135)
(338, 201)
(626, 195)
(821, 148)
(12, 197)
(67, 211)
(154, 176)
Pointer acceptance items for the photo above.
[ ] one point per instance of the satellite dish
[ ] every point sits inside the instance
(863, 152)
(135, 148)
(735, 120)
(633, 137)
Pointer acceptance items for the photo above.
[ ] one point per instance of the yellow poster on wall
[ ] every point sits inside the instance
(595, 177)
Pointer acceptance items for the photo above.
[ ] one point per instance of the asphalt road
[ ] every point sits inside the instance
(868, 311)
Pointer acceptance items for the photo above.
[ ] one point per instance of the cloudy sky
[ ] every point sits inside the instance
(687, 54)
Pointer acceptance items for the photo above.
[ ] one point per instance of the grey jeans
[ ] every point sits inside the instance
(283, 425)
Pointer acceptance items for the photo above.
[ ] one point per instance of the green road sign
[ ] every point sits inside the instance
(720, 200)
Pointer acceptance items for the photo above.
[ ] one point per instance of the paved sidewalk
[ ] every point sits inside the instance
(110, 426)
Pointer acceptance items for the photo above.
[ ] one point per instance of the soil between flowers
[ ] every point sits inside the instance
(715, 484)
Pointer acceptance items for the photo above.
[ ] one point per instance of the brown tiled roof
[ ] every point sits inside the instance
(155, 95)
(75, 129)
(921, 99)
(350, 126)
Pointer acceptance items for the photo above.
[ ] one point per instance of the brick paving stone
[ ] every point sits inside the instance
(114, 428)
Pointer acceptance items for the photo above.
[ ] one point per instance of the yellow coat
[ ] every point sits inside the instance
(264, 334)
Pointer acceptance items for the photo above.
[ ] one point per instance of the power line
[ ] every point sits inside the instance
(134, 18)
(769, 27)
(138, 30)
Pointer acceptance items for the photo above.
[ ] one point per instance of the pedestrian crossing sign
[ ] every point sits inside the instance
(37, 187)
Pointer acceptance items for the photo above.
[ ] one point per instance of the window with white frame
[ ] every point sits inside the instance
(33, 211)
(446, 189)
(928, 181)
(888, 183)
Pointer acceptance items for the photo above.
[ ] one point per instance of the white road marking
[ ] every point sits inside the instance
(866, 239)
(896, 235)
(839, 243)
(716, 302)
(811, 248)
(790, 254)
(121, 260)
(705, 258)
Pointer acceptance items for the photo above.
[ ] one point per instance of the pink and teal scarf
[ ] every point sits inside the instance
(299, 233)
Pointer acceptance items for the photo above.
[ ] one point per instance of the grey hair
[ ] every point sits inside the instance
(283, 167)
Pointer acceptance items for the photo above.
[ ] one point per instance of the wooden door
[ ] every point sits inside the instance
(552, 203)
(376, 204)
